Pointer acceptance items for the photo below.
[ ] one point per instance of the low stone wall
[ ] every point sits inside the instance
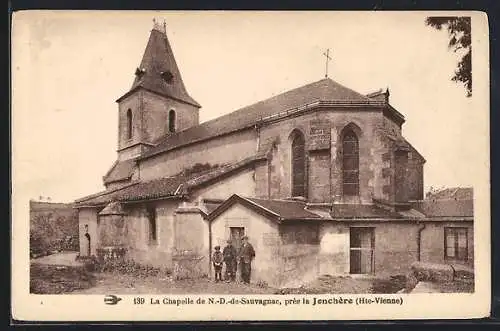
(299, 264)
(189, 266)
(432, 271)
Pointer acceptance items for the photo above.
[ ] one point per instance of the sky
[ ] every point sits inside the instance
(69, 68)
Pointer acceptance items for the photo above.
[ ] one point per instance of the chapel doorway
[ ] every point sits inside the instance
(235, 235)
(87, 237)
(362, 247)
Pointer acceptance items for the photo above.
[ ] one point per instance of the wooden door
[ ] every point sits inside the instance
(362, 247)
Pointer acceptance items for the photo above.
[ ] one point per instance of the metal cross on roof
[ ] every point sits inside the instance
(328, 58)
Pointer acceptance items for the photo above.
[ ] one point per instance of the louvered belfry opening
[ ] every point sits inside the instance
(298, 165)
(350, 163)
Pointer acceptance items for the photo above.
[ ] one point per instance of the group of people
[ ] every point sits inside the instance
(232, 258)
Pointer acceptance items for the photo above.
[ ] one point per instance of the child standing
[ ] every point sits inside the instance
(217, 259)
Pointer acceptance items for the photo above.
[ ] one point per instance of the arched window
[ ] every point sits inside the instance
(298, 165)
(350, 163)
(171, 121)
(129, 124)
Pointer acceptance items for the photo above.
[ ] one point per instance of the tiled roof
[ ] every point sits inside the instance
(158, 58)
(121, 170)
(286, 209)
(359, 211)
(277, 210)
(323, 90)
(458, 193)
(159, 188)
(445, 208)
(163, 187)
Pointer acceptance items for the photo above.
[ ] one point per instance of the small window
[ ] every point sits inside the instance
(455, 244)
(171, 121)
(129, 124)
(152, 225)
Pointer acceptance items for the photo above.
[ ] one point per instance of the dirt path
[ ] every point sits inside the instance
(62, 258)
(108, 283)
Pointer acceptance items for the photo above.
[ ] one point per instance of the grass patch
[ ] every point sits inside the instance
(54, 279)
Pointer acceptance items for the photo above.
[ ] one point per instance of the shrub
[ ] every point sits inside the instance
(262, 284)
(130, 267)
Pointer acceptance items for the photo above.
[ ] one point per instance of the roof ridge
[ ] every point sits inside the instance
(324, 90)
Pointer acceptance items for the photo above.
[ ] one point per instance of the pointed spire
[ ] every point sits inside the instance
(158, 71)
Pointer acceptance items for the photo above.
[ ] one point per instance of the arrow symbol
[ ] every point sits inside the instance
(111, 299)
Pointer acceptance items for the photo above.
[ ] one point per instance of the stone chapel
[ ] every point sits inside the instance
(320, 178)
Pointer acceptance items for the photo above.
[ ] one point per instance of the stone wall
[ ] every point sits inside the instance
(156, 112)
(112, 231)
(242, 183)
(217, 151)
(433, 242)
(150, 120)
(322, 130)
(132, 102)
(141, 249)
(415, 177)
(395, 247)
(334, 249)
(191, 256)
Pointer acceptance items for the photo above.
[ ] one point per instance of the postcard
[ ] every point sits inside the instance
(200, 166)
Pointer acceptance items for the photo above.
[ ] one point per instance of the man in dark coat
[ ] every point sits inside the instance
(247, 254)
(230, 256)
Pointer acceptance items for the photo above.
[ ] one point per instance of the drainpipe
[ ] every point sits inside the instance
(209, 248)
(419, 239)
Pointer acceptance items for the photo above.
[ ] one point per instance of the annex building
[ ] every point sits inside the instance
(320, 178)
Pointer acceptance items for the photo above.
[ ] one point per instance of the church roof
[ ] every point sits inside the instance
(323, 91)
(158, 71)
(121, 170)
(169, 187)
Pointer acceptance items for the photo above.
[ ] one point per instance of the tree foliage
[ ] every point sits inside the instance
(459, 31)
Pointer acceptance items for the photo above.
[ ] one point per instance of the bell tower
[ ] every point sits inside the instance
(158, 103)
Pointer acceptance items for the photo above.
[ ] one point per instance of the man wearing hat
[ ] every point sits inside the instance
(247, 254)
(229, 254)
